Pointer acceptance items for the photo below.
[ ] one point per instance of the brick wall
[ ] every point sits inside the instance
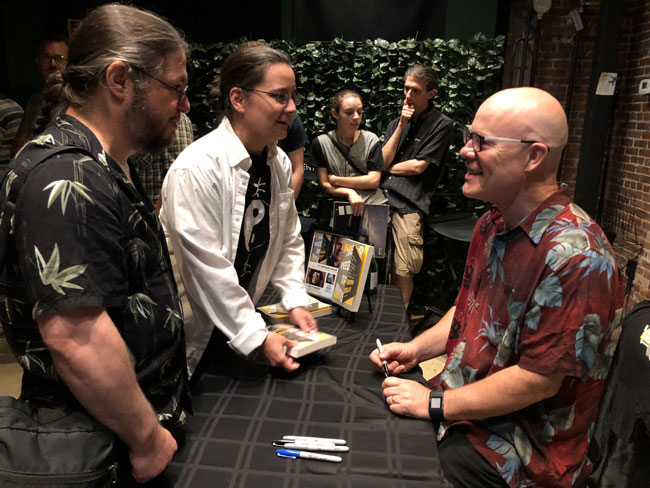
(627, 196)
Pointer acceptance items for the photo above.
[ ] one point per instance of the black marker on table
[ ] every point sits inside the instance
(383, 361)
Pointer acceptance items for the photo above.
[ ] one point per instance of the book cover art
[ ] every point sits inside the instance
(352, 274)
(370, 228)
(337, 269)
(276, 314)
(324, 260)
(307, 343)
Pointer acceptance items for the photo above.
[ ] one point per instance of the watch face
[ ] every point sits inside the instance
(435, 402)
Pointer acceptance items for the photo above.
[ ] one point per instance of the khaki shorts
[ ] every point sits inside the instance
(408, 240)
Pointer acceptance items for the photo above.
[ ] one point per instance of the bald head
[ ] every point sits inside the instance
(528, 114)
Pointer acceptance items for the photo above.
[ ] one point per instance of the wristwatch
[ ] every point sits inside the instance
(436, 412)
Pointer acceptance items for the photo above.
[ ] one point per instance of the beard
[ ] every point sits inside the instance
(149, 130)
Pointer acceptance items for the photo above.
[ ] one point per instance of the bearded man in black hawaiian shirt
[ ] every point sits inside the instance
(91, 307)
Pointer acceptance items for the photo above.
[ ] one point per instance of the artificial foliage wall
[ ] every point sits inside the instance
(469, 71)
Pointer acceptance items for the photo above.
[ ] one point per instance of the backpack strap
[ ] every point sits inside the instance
(347, 157)
(19, 176)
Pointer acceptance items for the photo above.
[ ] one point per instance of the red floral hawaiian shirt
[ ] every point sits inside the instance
(547, 296)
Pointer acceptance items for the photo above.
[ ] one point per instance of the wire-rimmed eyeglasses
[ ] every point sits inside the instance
(180, 93)
(281, 97)
(478, 140)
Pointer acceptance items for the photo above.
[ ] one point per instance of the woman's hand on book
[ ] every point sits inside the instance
(275, 349)
(300, 317)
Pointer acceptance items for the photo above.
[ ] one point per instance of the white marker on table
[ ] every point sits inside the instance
(383, 361)
(325, 440)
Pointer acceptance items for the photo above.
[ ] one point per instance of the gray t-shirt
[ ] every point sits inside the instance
(365, 152)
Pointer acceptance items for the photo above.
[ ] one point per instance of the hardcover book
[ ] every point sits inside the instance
(371, 227)
(337, 269)
(307, 343)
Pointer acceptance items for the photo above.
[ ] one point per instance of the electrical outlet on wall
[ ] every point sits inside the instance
(644, 87)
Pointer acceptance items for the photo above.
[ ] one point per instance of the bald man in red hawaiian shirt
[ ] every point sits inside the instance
(534, 327)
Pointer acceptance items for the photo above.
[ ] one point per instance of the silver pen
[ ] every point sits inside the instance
(310, 446)
(326, 440)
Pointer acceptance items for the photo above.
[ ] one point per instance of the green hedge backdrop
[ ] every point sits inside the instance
(469, 71)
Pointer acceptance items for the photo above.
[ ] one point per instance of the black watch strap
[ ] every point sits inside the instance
(436, 406)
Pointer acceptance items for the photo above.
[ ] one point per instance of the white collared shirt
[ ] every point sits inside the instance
(204, 196)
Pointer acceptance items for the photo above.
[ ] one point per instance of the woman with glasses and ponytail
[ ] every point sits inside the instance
(349, 159)
(228, 207)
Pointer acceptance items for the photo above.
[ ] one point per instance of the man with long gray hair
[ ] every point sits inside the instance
(92, 310)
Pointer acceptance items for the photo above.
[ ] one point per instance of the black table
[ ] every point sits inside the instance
(240, 411)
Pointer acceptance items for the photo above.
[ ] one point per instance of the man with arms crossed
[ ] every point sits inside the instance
(416, 144)
(88, 261)
(535, 324)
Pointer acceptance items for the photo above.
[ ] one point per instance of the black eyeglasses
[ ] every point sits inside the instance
(281, 97)
(59, 59)
(181, 93)
(478, 140)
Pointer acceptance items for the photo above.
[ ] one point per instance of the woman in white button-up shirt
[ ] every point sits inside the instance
(204, 196)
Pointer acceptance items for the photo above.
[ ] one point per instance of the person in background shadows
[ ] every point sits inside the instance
(294, 145)
(152, 167)
(535, 324)
(229, 210)
(414, 150)
(349, 159)
(91, 306)
(51, 57)
(10, 116)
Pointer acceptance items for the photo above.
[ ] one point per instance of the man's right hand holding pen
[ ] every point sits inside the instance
(404, 397)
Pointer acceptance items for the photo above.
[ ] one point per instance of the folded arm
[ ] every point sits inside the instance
(363, 182)
(410, 167)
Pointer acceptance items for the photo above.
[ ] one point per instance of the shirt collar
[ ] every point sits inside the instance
(238, 155)
(538, 221)
(83, 137)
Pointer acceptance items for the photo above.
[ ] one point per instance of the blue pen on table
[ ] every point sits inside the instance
(310, 445)
(383, 361)
(288, 453)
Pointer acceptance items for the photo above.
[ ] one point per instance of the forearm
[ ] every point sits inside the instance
(93, 361)
(431, 343)
(390, 148)
(410, 167)
(327, 187)
(506, 391)
(297, 159)
(364, 182)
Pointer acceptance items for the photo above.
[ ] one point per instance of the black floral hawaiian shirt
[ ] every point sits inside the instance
(84, 236)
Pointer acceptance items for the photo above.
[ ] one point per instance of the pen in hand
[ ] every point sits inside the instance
(383, 361)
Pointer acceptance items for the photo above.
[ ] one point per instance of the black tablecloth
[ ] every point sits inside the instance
(240, 410)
